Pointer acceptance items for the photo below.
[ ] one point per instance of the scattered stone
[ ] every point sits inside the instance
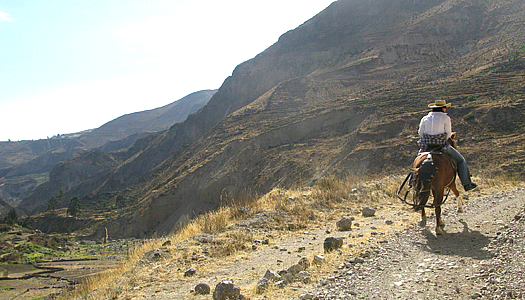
(157, 255)
(294, 269)
(332, 243)
(288, 277)
(356, 260)
(368, 212)
(166, 243)
(272, 276)
(254, 247)
(344, 224)
(306, 296)
(389, 222)
(291, 226)
(280, 284)
(304, 263)
(262, 285)
(319, 259)
(225, 290)
(190, 272)
(202, 289)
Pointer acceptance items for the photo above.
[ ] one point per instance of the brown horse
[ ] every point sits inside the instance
(433, 172)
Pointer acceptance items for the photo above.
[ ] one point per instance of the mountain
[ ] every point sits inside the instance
(341, 94)
(25, 165)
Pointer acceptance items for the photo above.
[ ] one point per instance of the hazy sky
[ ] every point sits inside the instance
(71, 65)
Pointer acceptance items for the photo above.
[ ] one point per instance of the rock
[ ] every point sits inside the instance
(344, 224)
(306, 296)
(304, 262)
(254, 247)
(288, 277)
(303, 277)
(319, 259)
(294, 269)
(389, 222)
(156, 255)
(225, 290)
(262, 285)
(190, 272)
(332, 243)
(368, 212)
(202, 289)
(356, 260)
(291, 226)
(280, 284)
(272, 276)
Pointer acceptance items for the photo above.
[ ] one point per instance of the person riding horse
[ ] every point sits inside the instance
(435, 129)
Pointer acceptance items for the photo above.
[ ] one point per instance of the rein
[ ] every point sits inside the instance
(403, 199)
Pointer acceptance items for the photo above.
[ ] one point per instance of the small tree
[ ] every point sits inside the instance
(52, 204)
(12, 217)
(60, 197)
(120, 201)
(74, 207)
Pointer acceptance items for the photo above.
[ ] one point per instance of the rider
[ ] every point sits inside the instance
(435, 129)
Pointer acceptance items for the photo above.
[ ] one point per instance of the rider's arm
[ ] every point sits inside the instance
(448, 127)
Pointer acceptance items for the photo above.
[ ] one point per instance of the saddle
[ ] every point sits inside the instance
(438, 150)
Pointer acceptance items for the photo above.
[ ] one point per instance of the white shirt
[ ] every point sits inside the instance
(435, 123)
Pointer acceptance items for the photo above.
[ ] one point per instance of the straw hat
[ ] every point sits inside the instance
(440, 103)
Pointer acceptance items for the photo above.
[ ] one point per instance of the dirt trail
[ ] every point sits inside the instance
(402, 261)
(470, 261)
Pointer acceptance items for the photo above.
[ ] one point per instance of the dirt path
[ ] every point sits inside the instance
(479, 256)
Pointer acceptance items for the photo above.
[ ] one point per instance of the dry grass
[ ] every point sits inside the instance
(291, 210)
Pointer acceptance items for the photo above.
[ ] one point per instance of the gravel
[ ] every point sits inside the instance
(480, 256)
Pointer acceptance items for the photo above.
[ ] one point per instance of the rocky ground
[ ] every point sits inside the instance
(386, 256)
(480, 256)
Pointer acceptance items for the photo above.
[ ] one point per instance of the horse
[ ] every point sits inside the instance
(433, 172)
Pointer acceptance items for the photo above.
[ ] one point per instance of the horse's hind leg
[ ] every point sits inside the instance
(458, 198)
(439, 223)
(438, 200)
(423, 221)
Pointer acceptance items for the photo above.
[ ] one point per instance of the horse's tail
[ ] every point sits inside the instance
(423, 176)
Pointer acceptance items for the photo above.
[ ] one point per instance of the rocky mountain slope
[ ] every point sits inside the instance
(26, 164)
(343, 93)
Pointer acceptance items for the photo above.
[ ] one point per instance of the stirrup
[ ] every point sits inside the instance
(470, 186)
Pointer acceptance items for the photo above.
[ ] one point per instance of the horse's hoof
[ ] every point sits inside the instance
(442, 225)
(460, 211)
(422, 223)
(439, 231)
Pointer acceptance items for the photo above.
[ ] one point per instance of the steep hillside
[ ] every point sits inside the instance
(343, 93)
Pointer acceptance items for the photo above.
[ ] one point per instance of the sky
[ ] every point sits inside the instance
(71, 65)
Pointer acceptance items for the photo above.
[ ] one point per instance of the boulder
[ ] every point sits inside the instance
(202, 289)
(332, 243)
(368, 212)
(344, 224)
(225, 290)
